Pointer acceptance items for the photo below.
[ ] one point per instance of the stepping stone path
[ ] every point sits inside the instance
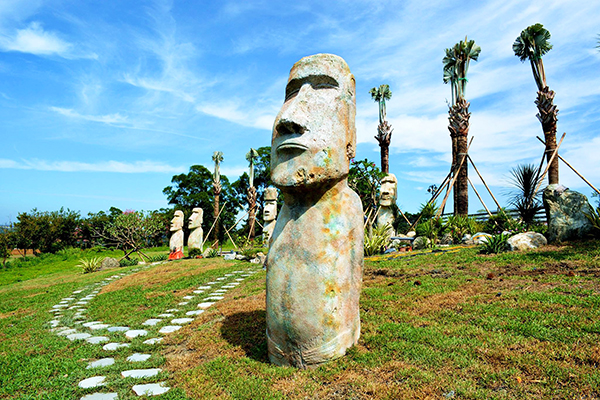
(73, 308)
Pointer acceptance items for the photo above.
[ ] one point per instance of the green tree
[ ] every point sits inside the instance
(456, 66)
(46, 231)
(532, 44)
(384, 129)
(7, 243)
(365, 178)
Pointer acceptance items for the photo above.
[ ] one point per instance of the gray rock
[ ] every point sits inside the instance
(104, 362)
(153, 341)
(109, 262)
(411, 234)
(421, 242)
(565, 210)
(526, 241)
(138, 357)
(135, 333)
(141, 373)
(78, 336)
(94, 381)
(169, 329)
(480, 238)
(151, 389)
(230, 256)
(240, 257)
(446, 239)
(114, 346)
(97, 339)
(101, 396)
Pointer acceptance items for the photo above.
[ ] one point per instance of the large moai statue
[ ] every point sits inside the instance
(315, 261)
(176, 241)
(269, 213)
(387, 198)
(196, 234)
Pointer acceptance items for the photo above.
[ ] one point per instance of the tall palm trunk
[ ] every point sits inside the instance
(384, 137)
(217, 191)
(548, 115)
(251, 197)
(459, 129)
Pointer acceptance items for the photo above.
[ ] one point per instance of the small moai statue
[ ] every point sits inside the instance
(196, 234)
(176, 241)
(315, 260)
(387, 198)
(269, 213)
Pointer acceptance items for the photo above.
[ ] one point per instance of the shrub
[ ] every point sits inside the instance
(193, 253)
(123, 262)
(495, 244)
(69, 252)
(160, 257)
(91, 265)
(458, 226)
(376, 242)
(211, 253)
(430, 229)
(594, 217)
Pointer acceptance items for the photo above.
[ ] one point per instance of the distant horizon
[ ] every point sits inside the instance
(102, 103)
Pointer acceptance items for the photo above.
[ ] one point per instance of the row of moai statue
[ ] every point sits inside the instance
(195, 240)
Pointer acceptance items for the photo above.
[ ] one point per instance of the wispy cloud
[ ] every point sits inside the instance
(136, 167)
(110, 119)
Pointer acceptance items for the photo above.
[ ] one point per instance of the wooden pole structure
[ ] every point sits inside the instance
(573, 168)
(232, 241)
(462, 161)
(406, 219)
(213, 225)
(480, 199)
(554, 153)
(430, 200)
(485, 184)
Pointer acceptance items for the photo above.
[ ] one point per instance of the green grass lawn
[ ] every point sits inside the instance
(438, 325)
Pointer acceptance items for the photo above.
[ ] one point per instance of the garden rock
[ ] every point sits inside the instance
(565, 211)
(526, 241)
(411, 234)
(109, 262)
(230, 256)
(467, 239)
(480, 238)
(421, 242)
(446, 239)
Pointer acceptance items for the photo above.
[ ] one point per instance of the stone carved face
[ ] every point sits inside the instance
(195, 220)
(177, 221)
(270, 211)
(388, 190)
(314, 133)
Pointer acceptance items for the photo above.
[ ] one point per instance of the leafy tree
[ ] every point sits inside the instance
(194, 190)
(7, 244)
(532, 44)
(524, 199)
(96, 222)
(456, 66)
(47, 232)
(384, 129)
(365, 178)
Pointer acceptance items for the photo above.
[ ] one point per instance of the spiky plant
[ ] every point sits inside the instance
(456, 66)
(532, 44)
(525, 179)
(90, 265)
(384, 129)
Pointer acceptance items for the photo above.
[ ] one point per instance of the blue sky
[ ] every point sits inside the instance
(102, 102)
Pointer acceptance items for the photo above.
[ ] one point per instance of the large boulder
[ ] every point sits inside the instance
(109, 262)
(421, 242)
(526, 241)
(446, 239)
(565, 212)
(480, 238)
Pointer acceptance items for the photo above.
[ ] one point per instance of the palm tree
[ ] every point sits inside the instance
(456, 65)
(251, 197)
(532, 44)
(217, 158)
(384, 129)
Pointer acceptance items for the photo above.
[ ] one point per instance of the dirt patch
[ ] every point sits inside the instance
(17, 313)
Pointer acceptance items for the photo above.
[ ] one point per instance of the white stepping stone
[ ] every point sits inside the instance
(54, 323)
(138, 357)
(166, 315)
(152, 322)
(194, 312)
(215, 298)
(221, 290)
(81, 302)
(78, 336)
(97, 339)
(229, 287)
(237, 272)
(99, 326)
(228, 274)
(188, 297)
(94, 381)
(239, 279)
(78, 316)
(151, 389)
(67, 332)
(234, 283)
(114, 346)
(103, 362)
(221, 279)
(101, 396)
(204, 287)
(74, 307)
(169, 329)
(205, 305)
(211, 283)
(68, 298)
(59, 306)
(119, 329)
(64, 302)
(77, 291)
(198, 291)
(183, 303)
(172, 310)
(153, 340)
(88, 324)
(141, 373)
(135, 333)
(182, 321)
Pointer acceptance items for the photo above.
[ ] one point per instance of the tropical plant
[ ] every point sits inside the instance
(430, 229)
(456, 66)
(458, 226)
(364, 178)
(384, 129)
(376, 239)
(525, 179)
(495, 244)
(532, 44)
(90, 265)
(594, 217)
(124, 262)
(428, 210)
(212, 253)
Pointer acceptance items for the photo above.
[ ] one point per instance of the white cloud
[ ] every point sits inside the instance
(234, 111)
(110, 119)
(104, 166)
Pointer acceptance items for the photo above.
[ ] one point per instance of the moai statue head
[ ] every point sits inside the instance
(389, 185)
(195, 220)
(177, 221)
(270, 210)
(314, 134)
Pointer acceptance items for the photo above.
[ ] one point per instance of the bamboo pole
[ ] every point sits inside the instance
(406, 219)
(480, 199)
(573, 168)
(485, 184)
(213, 225)
(430, 200)
(462, 161)
(232, 241)
(554, 153)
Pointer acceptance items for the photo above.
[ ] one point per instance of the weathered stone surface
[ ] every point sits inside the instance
(114, 346)
(176, 241)
(78, 336)
(387, 199)
(101, 396)
(153, 341)
(314, 265)
(94, 381)
(104, 362)
(269, 213)
(141, 373)
(138, 357)
(446, 239)
(194, 312)
(565, 211)
(527, 241)
(229, 256)
(152, 321)
(197, 234)
(97, 339)
(169, 329)
(151, 389)
(480, 238)
(181, 321)
(97, 327)
(118, 329)
(421, 242)
(109, 262)
(135, 333)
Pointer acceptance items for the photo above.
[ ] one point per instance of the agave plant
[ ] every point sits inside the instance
(495, 244)
(90, 265)
(377, 240)
(525, 179)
